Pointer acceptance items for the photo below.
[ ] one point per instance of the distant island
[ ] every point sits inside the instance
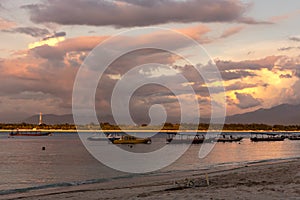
(284, 114)
(284, 117)
(165, 126)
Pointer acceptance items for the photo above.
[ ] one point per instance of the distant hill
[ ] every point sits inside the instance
(284, 114)
(50, 119)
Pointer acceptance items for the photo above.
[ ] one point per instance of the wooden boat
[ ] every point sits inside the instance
(294, 137)
(257, 139)
(97, 138)
(230, 139)
(128, 139)
(266, 137)
(191, 139)
(105, 137)
(196, 140)
(28, 133)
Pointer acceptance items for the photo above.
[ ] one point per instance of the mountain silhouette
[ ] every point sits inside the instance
(284, 114)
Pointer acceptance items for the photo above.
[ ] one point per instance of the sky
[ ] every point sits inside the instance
(254, 44)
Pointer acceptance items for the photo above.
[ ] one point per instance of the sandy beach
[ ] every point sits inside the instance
(277, 180)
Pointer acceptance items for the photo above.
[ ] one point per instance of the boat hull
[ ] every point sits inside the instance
(101, 138)
(294, 138)
(136, 141)
(255, 139)
(128, 139)
(229, 139)
(29, 134)
(184, 141)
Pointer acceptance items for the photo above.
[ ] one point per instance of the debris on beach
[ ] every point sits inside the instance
(189, 183)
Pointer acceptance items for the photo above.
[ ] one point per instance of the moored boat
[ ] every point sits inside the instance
(230, 139)
(34, 132)
(257, 139)
(28, 133)
(128, 139)
(294, 137)
(99, 137)
(188, 140)
(266, 137)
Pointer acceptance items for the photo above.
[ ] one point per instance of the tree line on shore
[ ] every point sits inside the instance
(165, 126)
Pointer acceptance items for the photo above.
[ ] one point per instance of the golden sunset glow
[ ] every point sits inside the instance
(49, 42)
(268, 85)
(256, 51)
(149, 99)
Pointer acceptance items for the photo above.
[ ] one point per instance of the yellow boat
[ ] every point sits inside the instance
(128, 139)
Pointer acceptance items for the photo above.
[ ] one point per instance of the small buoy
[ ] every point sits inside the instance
(43, 148)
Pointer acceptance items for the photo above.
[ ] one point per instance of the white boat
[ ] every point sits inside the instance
(104, 137)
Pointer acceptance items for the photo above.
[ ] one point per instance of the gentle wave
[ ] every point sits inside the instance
(63, 184)
(102, 180)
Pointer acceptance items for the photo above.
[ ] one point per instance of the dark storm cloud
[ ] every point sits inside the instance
(145, 3)
(225, 71)
(288, 48)
(246, 101)
(1, 7)
(228, 75)
(193, 76)
(137, 13)
(58, 52)
(32, 31)
(295, 38)
(249, 20)
(55, 35)
(285, 76)
(239, 86)
(231, 31)
(49, 52)
(267, 62)
(289, 63)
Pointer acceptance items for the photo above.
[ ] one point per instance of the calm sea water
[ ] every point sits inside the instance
(65, 161)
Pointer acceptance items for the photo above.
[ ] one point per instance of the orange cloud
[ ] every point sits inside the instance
(286, 16)
(83, 43)
(196, 32)
(49, 42)
(5, 24)
(138, 13)
(20, 67)
(231, 31)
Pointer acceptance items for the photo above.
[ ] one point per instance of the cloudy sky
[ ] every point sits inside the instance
(255, 45)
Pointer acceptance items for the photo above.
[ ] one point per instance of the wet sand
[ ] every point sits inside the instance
(280, 180)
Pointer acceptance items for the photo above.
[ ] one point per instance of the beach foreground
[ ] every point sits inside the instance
(279, 180)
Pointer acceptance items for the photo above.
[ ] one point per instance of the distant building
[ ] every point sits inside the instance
(41, 119)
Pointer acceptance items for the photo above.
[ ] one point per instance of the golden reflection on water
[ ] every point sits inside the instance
(238, 152)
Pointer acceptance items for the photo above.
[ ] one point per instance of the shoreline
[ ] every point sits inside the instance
(146, 131)
(251, 179)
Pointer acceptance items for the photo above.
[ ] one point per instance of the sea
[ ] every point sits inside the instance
(25, 166)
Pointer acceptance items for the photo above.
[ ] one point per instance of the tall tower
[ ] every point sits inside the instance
(40, 119)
